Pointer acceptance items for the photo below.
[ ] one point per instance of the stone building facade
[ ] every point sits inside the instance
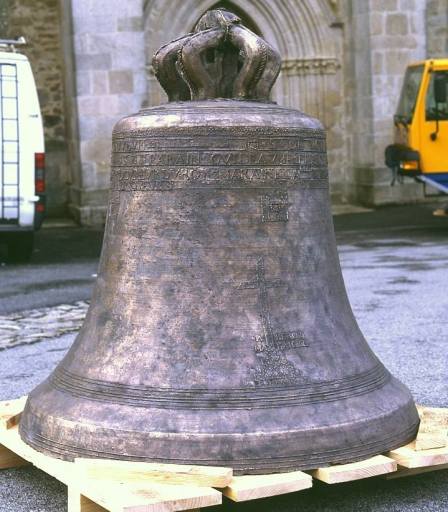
(343, 62)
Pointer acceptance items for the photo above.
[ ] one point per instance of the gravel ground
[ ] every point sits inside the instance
(31, 326)
(397, 287)
(21, 369)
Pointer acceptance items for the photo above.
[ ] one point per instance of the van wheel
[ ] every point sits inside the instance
(20, 247)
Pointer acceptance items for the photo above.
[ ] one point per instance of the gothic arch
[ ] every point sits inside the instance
(297, 28)
(246, 18)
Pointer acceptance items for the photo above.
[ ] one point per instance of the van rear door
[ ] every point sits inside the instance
(21, 139)
(9, 144)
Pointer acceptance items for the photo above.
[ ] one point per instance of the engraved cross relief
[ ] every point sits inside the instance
(273, 367)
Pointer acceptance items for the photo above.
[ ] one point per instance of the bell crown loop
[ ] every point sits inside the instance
(221, 58)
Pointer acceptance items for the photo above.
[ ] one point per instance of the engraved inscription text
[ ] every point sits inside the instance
(176, 162)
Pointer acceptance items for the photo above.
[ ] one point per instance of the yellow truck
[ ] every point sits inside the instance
(420, 148)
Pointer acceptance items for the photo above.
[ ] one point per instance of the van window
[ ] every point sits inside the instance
(442, 108)
(409, 93)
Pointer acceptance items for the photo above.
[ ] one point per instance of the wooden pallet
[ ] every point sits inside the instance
(120, 486)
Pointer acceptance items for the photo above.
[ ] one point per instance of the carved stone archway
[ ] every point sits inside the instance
(309, 39)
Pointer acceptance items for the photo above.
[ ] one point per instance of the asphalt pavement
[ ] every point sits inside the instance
(395, 266)
(62, 270)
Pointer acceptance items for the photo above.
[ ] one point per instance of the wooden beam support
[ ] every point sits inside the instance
(9, 459)
(172, 474)
(407, 457)
(11, 411)
(250, 487)
(414, 471)
(79, 503)
(378, 465)
(429, 440)
(433, 430)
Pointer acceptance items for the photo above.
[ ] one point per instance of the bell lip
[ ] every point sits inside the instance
(274, 465)
(369, 436)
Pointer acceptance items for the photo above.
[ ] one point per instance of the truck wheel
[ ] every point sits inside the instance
(20, 247)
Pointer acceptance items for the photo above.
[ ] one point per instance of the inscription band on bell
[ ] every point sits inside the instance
(220, 160)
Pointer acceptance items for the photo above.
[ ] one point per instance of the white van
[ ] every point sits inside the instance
(22, 157)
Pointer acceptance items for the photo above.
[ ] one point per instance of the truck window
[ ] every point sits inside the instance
(442, 108)
(409, 93)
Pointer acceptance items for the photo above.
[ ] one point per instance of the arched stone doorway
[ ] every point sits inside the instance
(307, 37)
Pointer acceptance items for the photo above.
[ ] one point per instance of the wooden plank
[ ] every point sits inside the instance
(251, 487)
(433, 429)
(114, 496)
(202, 476)
(130, 497)
(9, 459)
(79, 503)
(13, 420)
(407, 457)
(161, 499)
(414, 471)
(429, 440)
(433, 419)
(10, 412)
(59, 469)
(378, 465)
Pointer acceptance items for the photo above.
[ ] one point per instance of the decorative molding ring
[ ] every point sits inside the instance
(315, 66)
(204, 398)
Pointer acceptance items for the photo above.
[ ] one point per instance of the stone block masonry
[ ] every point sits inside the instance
(394, 39)
(400, 42)
(437, 28)
(110, 62)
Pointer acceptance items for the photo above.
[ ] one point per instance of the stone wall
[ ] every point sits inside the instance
(38, 22)
(4, 14)
(109, 59)
(388, 35)
(437, 28)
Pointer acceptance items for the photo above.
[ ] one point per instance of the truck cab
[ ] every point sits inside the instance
(420, 148)
(22, 157)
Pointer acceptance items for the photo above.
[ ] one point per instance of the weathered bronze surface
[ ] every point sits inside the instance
(220, 331)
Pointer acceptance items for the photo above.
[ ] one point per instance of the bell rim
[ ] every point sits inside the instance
(368, 437)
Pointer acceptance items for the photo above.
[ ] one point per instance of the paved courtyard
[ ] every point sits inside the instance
(395, 266)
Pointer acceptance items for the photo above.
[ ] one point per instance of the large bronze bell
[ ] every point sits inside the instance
(219, 332)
